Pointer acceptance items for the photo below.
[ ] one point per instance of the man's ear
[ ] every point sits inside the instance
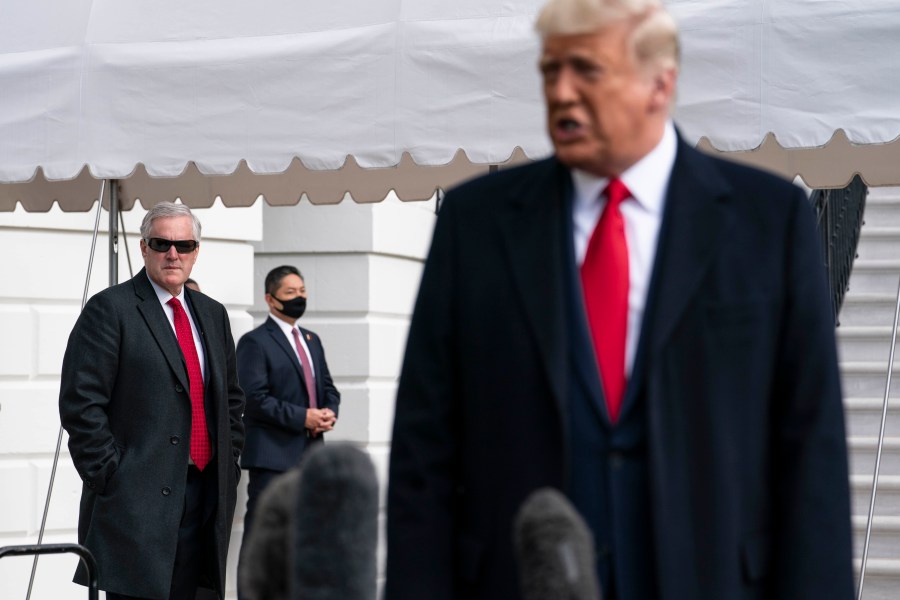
(270, 300)
(662, 95)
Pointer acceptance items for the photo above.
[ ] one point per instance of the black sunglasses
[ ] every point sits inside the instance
(181, 246)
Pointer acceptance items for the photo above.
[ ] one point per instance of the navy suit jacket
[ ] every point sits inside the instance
(272, 378)
(735, 390)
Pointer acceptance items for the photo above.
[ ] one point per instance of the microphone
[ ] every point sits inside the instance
(335, 525)
(554, 549)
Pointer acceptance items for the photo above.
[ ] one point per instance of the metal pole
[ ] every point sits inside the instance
(125, 244)
(59, 436)
(884, 409)
(113, 232)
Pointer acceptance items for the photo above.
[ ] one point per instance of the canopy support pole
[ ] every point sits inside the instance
(884, 410)
(113, 232)
(84, 297)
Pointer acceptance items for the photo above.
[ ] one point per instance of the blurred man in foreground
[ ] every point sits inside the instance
(637, 324)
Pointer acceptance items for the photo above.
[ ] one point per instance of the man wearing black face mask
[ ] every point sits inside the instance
(291, 399)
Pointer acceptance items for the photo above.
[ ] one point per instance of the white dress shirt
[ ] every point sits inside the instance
(647, 181)
(286, 328)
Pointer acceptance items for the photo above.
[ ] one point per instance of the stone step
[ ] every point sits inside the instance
(880, 194)
(882, 580)
(867, 379)
(864, 338)
(875, 277)
(887, 497)
(863, 450)
(878, 242)
(884, 541)
(864, 310)
(863, 417)
(865, 343)
(882, 211)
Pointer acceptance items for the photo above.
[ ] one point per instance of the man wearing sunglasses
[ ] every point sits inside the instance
(150, 399)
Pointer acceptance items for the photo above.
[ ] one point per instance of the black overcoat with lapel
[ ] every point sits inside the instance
(272, 377)
(125, 403)
(737, 369)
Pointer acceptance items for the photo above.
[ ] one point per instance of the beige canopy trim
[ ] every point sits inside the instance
(830, 166)
(408, 180)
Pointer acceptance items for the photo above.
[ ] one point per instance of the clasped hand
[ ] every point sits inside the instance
(319, 420)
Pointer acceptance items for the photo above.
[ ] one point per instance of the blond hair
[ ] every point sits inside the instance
(654, 35)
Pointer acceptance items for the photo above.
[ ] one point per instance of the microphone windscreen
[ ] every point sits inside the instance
(336, 526)
(554, 549)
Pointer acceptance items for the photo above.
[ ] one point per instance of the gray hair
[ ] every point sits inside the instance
(654, 37)
(165, 210)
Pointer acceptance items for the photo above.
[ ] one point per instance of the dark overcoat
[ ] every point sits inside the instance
(125, 404)
(745, 449)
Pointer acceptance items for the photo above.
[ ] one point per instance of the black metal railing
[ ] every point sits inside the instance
(839, 218)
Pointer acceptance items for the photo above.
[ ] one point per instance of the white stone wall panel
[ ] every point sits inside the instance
(19, 351)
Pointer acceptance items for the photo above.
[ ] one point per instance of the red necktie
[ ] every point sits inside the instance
(604, 280)
(307, 369)
(201, 451)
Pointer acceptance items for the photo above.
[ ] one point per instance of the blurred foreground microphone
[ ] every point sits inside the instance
(335, 526)
(554, 550)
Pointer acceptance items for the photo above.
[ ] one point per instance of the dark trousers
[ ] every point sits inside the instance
(257, 481)
(195, 555)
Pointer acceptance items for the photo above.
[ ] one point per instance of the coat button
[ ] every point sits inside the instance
(174, 440)
(166, 491)
(178, 388)
(90, 484)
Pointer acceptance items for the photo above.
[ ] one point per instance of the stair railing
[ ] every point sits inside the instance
(839, 219)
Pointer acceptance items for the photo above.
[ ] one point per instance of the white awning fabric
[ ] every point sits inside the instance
(798, 69)
(180, 91)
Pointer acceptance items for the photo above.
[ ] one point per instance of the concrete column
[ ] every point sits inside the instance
(361, 264)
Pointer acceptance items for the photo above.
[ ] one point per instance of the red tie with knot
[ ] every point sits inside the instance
(201, 450)
(604, 281)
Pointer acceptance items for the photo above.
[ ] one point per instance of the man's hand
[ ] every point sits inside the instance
(319, 420)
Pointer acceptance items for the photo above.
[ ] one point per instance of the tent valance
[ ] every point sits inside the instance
(217, 87)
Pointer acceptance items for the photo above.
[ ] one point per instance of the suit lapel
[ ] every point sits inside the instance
(282, 342)
(697, 220)
(160, 328)
(531, 231)
(201, 321)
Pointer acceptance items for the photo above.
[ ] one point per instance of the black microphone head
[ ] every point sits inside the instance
(554, 549)
(336, 525)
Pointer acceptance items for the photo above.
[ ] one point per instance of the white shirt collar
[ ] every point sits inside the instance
(285, 326)
(647, 179)
(163, 294)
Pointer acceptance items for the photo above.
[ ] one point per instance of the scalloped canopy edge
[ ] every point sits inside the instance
(832, 165)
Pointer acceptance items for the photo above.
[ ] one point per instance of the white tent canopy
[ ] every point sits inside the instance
(219, 87)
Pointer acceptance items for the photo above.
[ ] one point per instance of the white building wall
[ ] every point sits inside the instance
(362, 265)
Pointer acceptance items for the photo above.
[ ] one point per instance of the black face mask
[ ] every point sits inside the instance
(293, 308)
